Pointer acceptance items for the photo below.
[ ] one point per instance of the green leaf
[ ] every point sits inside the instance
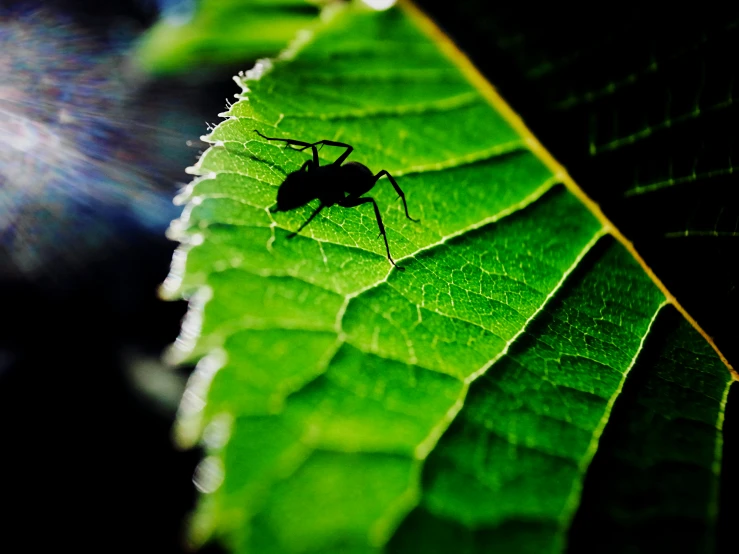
(223, 32)
(659, 459)
(347, 406)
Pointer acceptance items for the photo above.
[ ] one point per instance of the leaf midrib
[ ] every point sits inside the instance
(384, 525)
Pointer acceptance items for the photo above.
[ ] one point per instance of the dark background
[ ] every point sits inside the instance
(87, 457)
(624, 97)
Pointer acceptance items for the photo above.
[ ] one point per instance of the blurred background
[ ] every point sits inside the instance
(96, 129)
(101, 108)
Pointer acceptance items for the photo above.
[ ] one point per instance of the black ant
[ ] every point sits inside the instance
(331, 184)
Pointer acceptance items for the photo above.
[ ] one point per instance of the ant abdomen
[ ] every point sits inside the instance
(359, 168)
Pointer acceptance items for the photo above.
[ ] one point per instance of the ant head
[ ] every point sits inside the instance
(295, 191)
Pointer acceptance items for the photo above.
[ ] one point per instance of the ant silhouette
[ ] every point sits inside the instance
(333, 184)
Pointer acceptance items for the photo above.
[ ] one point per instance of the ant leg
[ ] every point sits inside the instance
(340, 160)
(293, 142)
(397, 189)
(352, 202)
(314, 214)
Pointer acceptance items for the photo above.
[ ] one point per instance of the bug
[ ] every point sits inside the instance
(338, 183)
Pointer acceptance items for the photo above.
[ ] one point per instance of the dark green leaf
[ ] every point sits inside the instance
(223, 32)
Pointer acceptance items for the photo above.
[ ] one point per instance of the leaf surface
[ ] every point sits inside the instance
(344, 402)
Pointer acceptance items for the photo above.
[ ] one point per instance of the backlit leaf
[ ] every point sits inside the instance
(350, 407)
